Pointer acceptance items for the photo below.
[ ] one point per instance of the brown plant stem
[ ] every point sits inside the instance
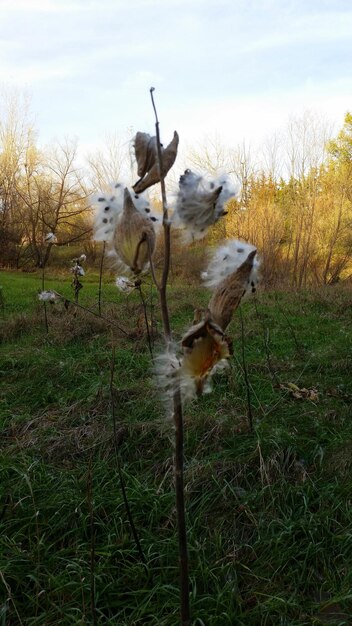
(245, 373)
(101, 277)
(44, 303)
(119, 468)
(92, 541)
(38, 543)
(297, 344)
(2, 303)
(152, 312)
(152, 268)
(177, 401)
(266, 343)
(144, 305)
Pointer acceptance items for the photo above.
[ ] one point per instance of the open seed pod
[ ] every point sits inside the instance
(205, 348)
(201, 202)
(147, 159)
(228, 294)
(134, 236)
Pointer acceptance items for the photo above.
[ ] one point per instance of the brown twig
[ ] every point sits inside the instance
(119, 468)
(177, 402)
(139, 289)
(101, 277)
(38, 543)
(245, 374)
(266, 343)
(92, 541)
(299, 347)
(44, 303)
(152, 268)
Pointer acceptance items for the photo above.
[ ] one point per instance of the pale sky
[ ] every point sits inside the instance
(235, 69)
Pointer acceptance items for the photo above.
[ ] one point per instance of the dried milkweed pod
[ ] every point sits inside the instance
(134, 236)
(205, 349)
(201, 202)
(147, 159)
(230, 291)
(108, 208)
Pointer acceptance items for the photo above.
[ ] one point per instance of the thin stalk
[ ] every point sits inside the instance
(144, 305)
(245, 373)
(2, 302)
(160, 159)
(297, 344)
(151, 312)
(10, 597)
(101, 277)
(266, 343)
(77, 286)
(92, 541)
(152, 268)
(180, 506)
(167, 237)
(177, 401)
(29, 484)
(44, 303)
(119, 468)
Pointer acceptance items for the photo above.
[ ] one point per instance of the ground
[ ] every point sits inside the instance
(269, 514)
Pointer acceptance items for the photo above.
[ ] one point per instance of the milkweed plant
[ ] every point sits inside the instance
(124, 220)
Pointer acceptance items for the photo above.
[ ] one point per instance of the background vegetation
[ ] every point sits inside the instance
(294, 203)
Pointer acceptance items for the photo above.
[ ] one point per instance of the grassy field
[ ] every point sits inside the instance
(268, 510)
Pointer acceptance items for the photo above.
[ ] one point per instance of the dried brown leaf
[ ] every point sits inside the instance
(301, 393)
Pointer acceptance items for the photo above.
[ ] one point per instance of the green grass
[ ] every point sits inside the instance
(268, 512)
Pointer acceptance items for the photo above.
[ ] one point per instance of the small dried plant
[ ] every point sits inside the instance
(77, 273)
(49, 240)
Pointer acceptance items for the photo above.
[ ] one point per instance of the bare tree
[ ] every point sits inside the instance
(17, 137)
(53, 198)
(108, 165)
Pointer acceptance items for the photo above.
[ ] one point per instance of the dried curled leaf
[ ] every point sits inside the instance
(228, 294)
(147, 159)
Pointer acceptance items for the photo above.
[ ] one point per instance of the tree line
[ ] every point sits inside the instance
(295, 206)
